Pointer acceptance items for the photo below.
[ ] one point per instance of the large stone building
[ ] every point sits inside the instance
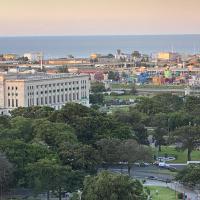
(41, 89)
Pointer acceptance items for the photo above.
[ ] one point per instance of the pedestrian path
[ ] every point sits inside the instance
(191, 194)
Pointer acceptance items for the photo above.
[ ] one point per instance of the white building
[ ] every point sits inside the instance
(41, 89)
(36, 56)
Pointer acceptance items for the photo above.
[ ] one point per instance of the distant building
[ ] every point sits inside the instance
(168, 56)
(41, 89)
(10, 56)
(68, 61)
(33, 56)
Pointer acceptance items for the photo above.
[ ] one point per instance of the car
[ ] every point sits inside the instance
(152, 178)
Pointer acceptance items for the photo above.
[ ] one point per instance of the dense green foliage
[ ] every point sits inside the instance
(190, 175)
(110, 186)
(40, 144)
(54, 150)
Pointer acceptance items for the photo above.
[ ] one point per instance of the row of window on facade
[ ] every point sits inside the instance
(12, 88)
(54, 91)
(58, 84)
(13, 103)
(54, 99)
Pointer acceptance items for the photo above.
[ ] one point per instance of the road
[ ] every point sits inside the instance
(162, 176)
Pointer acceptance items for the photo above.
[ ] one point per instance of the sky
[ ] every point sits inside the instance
(99, 17)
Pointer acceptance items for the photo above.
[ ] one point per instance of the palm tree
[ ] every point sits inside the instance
(189, 137)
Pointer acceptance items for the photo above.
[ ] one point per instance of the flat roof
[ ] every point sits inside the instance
(40, 76)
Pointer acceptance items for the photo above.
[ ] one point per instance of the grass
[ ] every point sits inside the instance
(117, 108)
(130, 85)
(181, 156)
(161, 86)
(163, 193)
(121, 97)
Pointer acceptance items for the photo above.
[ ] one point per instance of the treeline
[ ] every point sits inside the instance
(49, 150)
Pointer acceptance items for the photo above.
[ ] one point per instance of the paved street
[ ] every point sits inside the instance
(159, 174)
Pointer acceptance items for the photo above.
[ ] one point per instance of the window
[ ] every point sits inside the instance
(50, 99)
(41, 101)
(37, 101)
(77, 96)
(54, 99)
(8, 88)
(65, 97)
(70, 97)
(16, 88)
(58, 98)
(16, 102)
(8, 102)
(45, 100)
(13, 104)
(62, 99)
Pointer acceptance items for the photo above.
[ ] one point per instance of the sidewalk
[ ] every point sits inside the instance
(191, 195)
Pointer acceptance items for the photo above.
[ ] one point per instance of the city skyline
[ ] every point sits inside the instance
(77, 17)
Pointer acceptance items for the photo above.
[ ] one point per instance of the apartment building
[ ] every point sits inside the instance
(41, 89)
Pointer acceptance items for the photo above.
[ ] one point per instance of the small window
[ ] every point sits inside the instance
(16, 102)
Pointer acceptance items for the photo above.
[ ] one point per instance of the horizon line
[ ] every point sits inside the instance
(100, 35)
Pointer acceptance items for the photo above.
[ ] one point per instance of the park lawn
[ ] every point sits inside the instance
(163, 193)
(117, 108)
(121, 97)
(180, 155)
(131, 85)
(161, 86)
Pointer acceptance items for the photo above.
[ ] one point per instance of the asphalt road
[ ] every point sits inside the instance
(144, 172)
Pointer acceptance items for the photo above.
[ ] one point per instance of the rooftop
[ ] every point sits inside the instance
(39, 76)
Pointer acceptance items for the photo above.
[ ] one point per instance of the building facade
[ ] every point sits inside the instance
(41, 89)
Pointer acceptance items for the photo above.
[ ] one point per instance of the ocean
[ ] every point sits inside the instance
(83, 46)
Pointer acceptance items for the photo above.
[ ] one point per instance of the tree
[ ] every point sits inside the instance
(132, 152)
(110, 186)
(189, 137)
(6, 171)
(134, 120)
(34, 112)
(190, 175)
(97, 87)
(133, 90)
(109, 150)
(192, 105)
(4, 122)
(97, 98)
(53, 134)
(127, 151)
(46, 175)
(111, 75)
(159, 134)
(80, 157)
(20, 154)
